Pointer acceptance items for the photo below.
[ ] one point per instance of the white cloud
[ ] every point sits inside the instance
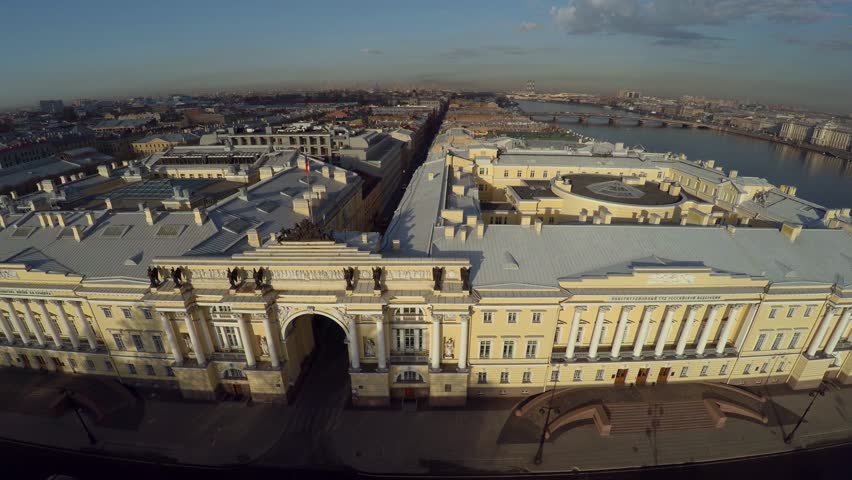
(528, 26)
(371, 51)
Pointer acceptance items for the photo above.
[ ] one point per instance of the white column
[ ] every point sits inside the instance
(248, 344)
(54, 332)
(821, 331)
(708, 327)
(72, 334)
(746, 326)
(642, 334)
(87, 329)
(687, 328)
(380, 342)
(16, 322)
(354, 356)
(619, 330)
(205, 330)
(28, 313)
(196, 341)
(270, 342)
(7, 330)
(727, 327)
(436, 343)
(838, 331)
(596, 332)
(465, 321)
(665, 328)
(172, 339)
(575, 328)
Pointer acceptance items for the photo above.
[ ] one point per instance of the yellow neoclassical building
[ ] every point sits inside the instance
(243, 298)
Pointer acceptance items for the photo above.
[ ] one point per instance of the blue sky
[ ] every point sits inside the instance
(795, 51)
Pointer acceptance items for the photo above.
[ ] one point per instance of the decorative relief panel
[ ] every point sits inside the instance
(408, 275)
(207, 274)
(309, 274)
(671, 279)
(8, 274)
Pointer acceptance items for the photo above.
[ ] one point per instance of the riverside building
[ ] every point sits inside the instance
(505, 271)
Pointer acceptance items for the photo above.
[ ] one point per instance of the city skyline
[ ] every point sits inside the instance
(771, 51)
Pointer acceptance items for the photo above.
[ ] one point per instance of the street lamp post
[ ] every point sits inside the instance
(546, 410)
(819, 392)
(69, 395)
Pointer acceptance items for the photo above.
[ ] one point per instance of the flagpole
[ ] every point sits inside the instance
(308, 182)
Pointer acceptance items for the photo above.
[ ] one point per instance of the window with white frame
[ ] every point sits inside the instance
(149, 369)
(536, 317)
(487, 317)
(705, 370)
(759, 343)
(776, 344)
(107, 312)
(482, 377)
(409, 311)
(408, 340)
(126, 312)
(809, 310)
(508, 348)
(684, 372)
(158, 343)
(504, 377)
(131, 369)
(773, 312)
(794, 340)
(780, 366)
(554, 375)
(557, 334)
(55, 323)
(532, 348)
(747, 369)
(485, 349)
(90, 365)
(146, 312)
(119, 341)
(580, 330)
(228, 337)
(512, 317)
(527, 377)
(724, 369)
(791, 312)
(599, 374)
(578, 375)
(138, 343)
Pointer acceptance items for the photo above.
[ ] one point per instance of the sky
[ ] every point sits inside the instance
(778, 51)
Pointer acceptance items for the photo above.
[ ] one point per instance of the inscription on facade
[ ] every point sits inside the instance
(307, 274)
(664, 298)
(408, 274)
(25, 292)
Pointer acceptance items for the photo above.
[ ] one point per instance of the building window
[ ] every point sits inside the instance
(724, 369)
(809, 310)
(544, 174)
(765, 368)
(791, 311)
(131, 368)
(146, 312)
(107, 312)
(536, 317)
(684, 372)
(773, 312)
(532, 348)
(580, 330)
(108, 366)
(229, 338)
(170, 372)
(527, 378)
(40, 360)
(599, 375)
(512, 317)
(759, 343)
(554, 375)
(485, 349)
(482, 171)
(705, 370)
(119, 342)
(794, 340)
(72, 363)
(557, 334)
(137, 342)
(508, 349)
(505, 173)
(780, 366)
(127, 313)
(776, 344)
(504, 377)
(578, 375)
(158, 343)
(448, 387)
(482, 377)
(747, 369)
(149, 369)
(90, 365)
(487, 317)
(520, 173)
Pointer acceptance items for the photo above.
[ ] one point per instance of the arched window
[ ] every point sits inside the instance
(233, 374)
(409, 377)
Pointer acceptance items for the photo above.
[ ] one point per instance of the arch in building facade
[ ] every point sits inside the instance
(287, 314)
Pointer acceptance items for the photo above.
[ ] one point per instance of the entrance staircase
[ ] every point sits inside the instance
(661, 417)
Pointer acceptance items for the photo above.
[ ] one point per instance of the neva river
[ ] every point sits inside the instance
(819, 178)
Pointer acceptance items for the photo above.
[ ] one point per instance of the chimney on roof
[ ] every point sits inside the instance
(396, 244)
(480, 229)
(149, 216)
(90, 218)
(365, 237)
(41, 220)
(108, 203)
(77, 230)
(14, 195)
(48, 219)
(60, 220)
(791, 231)
(254, 238)
(200, 216)
(3, 223)
(537, 223)
(243, 193)
(733, 174)
(791, 190)
(463, 233)
(710, 163)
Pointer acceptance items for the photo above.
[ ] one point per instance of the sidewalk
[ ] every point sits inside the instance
(470, 440)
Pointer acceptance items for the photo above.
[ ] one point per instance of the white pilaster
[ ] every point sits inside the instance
(205, 330)
(270, 342)
(196, 341)
(821, 331)
(708, 327)
(380, 342)
(642, 333)
(87, 329)
(749, 320)
(436, 343)
(838, 331)
(665, 328)
(248, 344)
(28, 313)
(354, 356)
(7, 330)
(54, 332)
(575, 328)
(171, 337)
(728, 326)
(16, 322)
(619, 330)
(465, 324)
(596, 332)
(686, 330)
(72, 333)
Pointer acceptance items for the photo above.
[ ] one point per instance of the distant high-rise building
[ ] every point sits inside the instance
(51, 106)
(629, 94)
(795, 132)
(531, 86)
(832, 136)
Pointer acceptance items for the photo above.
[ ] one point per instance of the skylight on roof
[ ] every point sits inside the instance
(267, 206)
(115, 231)
(170, 231)
(22, 232)
(237, 225)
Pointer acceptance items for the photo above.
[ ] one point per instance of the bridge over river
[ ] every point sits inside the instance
(616, 120)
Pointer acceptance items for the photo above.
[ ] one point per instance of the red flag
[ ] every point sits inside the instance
(307, 171)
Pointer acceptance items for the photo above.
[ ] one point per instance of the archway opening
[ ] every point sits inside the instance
(318, 362)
